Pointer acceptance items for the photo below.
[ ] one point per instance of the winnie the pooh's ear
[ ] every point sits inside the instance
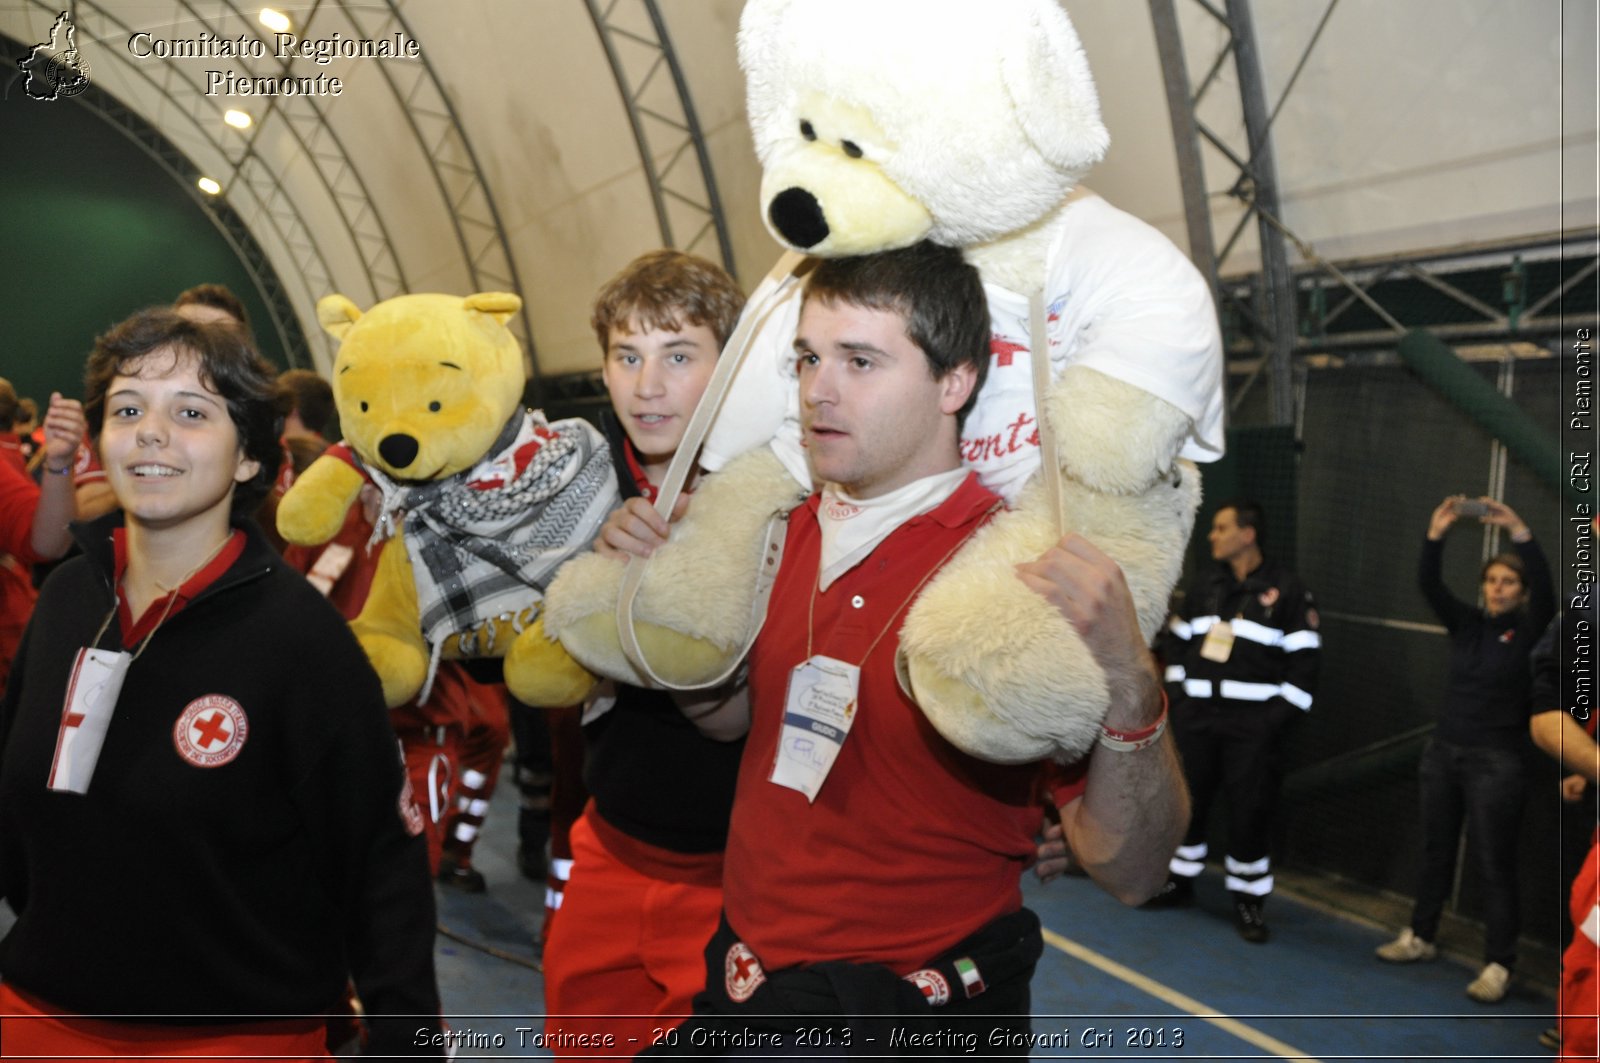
(498, 305)
(1052, 91)
(336, 313)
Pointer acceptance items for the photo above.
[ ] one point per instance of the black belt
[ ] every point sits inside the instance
(985, 974)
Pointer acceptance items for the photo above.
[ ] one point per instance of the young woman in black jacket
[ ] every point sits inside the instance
(1474, 768)
(205, 831)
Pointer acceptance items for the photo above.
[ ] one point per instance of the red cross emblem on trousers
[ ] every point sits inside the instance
(210, 731)
(741, 974)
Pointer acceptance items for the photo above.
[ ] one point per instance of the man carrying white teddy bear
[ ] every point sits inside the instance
(872, 868)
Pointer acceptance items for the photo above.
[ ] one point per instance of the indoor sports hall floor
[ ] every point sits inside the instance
(1115, 983)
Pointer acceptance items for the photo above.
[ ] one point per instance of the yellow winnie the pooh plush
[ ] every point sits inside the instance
(485, 497)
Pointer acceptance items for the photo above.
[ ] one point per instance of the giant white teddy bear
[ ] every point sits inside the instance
(880, 123)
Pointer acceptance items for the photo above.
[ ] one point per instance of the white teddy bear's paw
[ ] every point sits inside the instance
(579, 609)
(996, 669)
(693, 611)
(1113, 437)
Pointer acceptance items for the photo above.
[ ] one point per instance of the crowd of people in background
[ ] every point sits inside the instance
(163, 480)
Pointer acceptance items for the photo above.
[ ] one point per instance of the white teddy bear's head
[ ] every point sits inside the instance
(883, 122)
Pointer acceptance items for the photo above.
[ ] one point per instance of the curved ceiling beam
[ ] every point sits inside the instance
(432, 119)
(649, 50)
(293, 234)
(261, 187)
(385, 275)
(161, 150)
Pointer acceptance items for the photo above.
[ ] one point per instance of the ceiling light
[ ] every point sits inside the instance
(276, 21)
(237, 119)
(209, 187)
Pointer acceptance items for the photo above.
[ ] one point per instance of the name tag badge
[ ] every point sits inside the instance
(92, 692)
(818, 710)
(1218, 645)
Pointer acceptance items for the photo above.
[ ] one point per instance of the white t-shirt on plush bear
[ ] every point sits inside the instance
(1120, 299)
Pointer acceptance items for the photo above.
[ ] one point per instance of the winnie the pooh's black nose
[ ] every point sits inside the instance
(398, 450)
(798, 217)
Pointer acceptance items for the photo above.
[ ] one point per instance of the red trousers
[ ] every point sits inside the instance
(1580, 986)
(453, 747)
(627, 955)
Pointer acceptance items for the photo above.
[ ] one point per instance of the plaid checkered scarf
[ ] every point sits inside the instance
(486, 542)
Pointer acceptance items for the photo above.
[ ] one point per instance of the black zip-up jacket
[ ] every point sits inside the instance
(651, 772)
(257, 887)
(1276, 645)
(1486, 697)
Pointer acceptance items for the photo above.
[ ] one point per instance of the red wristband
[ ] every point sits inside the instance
(1132, 741)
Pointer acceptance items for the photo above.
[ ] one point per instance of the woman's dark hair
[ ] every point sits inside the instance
(216, 296)
(1509, 560)
(229, 365)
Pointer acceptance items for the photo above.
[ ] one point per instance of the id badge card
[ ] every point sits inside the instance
(1218, 645)
(92, 692)
(818, 710)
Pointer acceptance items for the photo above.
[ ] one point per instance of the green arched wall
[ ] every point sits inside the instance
(92, 229)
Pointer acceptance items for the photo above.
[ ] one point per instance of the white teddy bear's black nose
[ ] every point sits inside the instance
(798, 217)
(398, 450)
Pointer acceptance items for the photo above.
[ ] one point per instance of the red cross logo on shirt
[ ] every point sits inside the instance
(210, 731)
(1004, 350)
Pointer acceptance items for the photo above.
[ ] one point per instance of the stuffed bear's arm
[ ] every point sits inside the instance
(996, 669)
(1139, 376)
(1112, 436)
(693, 613)
(313, 509)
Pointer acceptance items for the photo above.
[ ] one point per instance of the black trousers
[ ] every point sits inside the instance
(1235, 748)
(1482, 787)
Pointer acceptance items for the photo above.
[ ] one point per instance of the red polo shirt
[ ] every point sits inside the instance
(910, 845)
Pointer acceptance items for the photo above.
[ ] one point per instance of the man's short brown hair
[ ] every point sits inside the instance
(937, 292)
(668, 290)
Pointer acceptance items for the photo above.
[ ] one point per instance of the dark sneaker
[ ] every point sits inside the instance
(530, 861)
(1176, 892)
(463, 877)
(1251, 924)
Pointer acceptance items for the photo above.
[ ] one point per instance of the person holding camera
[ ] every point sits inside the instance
(1474, 767)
